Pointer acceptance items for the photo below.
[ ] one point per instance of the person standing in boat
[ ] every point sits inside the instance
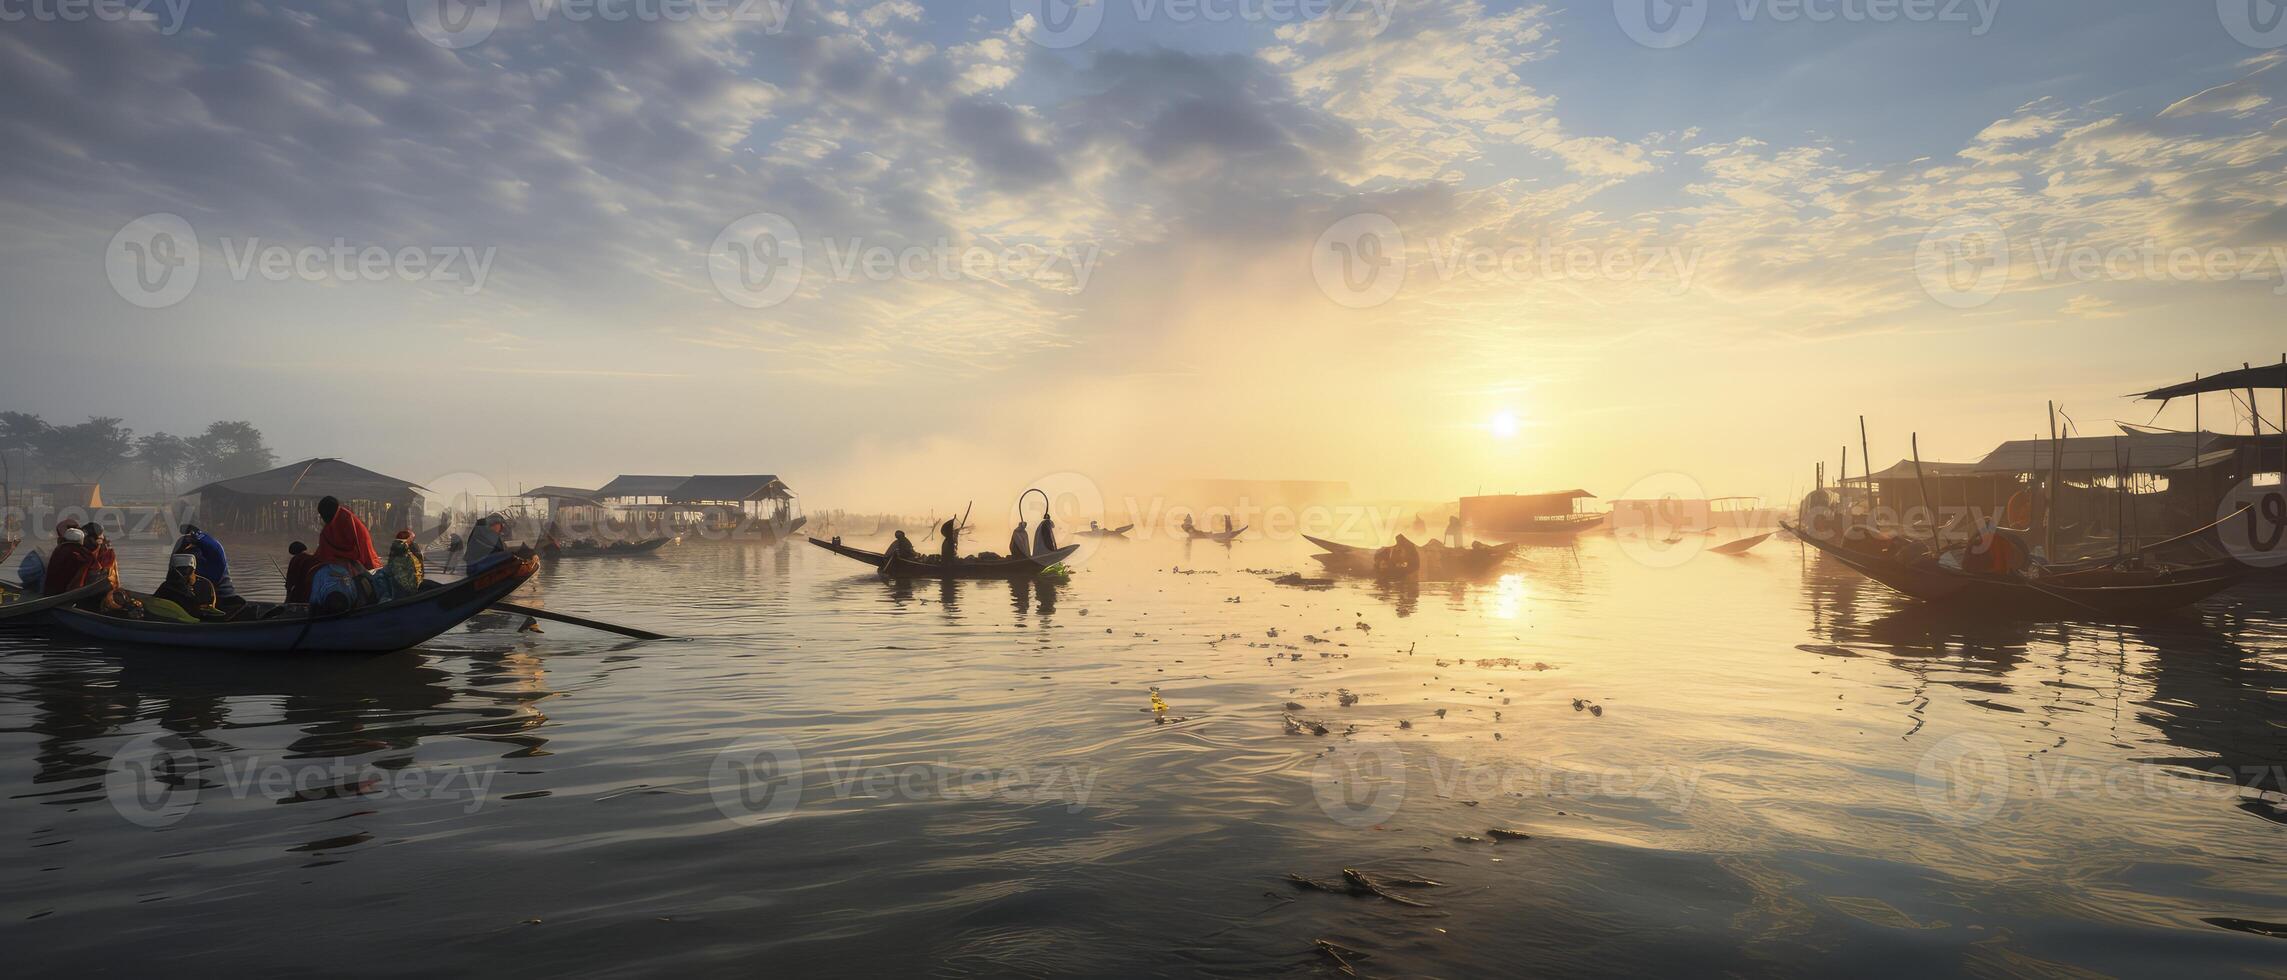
(1018, 548)
(951, 552)
(1044, 538)
(1453, 530)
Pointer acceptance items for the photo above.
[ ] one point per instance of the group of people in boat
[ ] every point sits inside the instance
(1040, 541)
(1992, 548)
(343, 572)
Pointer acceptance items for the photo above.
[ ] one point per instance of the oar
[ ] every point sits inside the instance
(538, 613)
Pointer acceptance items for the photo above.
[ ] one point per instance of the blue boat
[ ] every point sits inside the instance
(383, 628)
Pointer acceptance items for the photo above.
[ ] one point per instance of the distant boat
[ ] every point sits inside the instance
(1224, 537)
(1106, 532)
(383, 628)
(1740, 546)
(1000, 568)
(620, 548)
(1436, 562)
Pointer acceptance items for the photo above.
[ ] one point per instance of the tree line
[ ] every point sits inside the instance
(91, 450)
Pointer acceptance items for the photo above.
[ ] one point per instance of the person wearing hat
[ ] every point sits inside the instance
(33, 570)
(185, 587)
(213, 564)
(70, 565)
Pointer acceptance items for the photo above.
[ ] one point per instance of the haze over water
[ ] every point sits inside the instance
(1791, 772)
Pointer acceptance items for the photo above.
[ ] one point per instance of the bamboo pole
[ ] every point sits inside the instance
(1866, 466)
(2120, 501)
(1925, 489)
(2056, 462)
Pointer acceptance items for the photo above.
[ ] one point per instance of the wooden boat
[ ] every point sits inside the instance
(1437, 562)
(620, 548)
(1224, 537)
(18, 607)
(2096, 593)
(383, 628)
(1106, 532)
(1559, 525)
(1000, 568)
(1740, 546)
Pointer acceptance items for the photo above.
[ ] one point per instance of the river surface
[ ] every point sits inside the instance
(1761, 764)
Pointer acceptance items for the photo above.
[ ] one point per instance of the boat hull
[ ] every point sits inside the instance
(644, 547)
(19, 609)
(2107, 595)
(1221, 537)
(385, 628)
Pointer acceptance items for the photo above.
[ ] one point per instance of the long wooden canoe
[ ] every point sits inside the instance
(382, 628)
(620, 548)
(18, 607)
(2115, 595)
(1001, 568)
(1437, 562)
(1222, 536)
(1106, 532)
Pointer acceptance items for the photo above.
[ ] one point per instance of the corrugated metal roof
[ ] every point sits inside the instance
(2267, 376)
(640, 486)
(706, 489)
(313, 478)
(555, 492)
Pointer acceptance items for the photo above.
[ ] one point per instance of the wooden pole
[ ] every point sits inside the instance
(1925, 488)
(2056, 457)
(1866, 465)
(2120, 502)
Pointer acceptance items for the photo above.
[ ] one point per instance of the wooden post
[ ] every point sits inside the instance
(2120, 502)
(1925, 488)
(1866, 466)
(2056, 456)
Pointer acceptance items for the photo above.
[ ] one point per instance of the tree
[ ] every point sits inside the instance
(228, 449)
(165, 456)
(20, 434)
(89, 450)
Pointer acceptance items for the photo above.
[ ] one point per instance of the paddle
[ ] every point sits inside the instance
(538, 613)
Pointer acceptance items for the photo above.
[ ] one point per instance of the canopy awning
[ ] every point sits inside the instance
(2267, 376)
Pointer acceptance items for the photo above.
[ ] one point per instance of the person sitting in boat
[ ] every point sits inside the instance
(1093, 527)
(1017, 545)
(214, 565)
(400, 576)
(1453, 530)
(951, 552)
(193, 593)
(69, 566)
(1994, 551)
(103, 566)
(1188, 527)
(487, 542)
(1044, 537)
(299, 565)
(901, 549)
(345, 555)
(32, 571)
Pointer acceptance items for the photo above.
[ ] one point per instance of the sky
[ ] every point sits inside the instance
(903, 253)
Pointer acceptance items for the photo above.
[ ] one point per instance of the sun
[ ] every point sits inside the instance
(1503, 425)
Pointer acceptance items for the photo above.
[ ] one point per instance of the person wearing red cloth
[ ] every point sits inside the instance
(70, 565)
(298, 569)
(345, 538)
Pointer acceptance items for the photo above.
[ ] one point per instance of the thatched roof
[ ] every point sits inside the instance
(314, 478)
(713, 489)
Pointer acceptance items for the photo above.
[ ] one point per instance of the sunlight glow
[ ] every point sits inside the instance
(1503, 425)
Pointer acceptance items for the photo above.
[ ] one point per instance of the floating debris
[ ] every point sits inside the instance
(1499, 834)
(1356, 882)
(1345, 697)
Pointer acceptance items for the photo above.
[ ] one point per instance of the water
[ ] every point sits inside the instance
(1792, 772)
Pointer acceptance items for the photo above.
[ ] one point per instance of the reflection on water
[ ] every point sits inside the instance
(1761, 763)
